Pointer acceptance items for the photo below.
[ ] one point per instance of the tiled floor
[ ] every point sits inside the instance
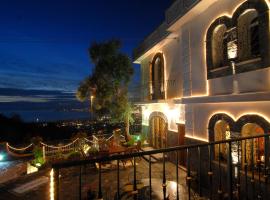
(69, 183)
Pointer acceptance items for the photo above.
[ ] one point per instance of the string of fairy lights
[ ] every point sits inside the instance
(71, 144)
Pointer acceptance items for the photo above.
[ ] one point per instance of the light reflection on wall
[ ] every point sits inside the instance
(175, 114)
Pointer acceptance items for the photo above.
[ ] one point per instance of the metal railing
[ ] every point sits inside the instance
(213, 179)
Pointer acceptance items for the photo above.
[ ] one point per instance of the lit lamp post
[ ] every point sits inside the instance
(91, 102)
(91, 106)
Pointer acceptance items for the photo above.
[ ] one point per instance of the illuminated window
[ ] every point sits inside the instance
(248, 35)
(252, 129)
(241, 43)
(157, 90)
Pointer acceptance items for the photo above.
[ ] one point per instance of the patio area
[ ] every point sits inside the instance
(69, 183)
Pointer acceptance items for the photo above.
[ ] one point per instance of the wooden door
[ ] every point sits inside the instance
(158, 129)
(181, 135)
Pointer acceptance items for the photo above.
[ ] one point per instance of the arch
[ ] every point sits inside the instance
(259, 5)
(221, 132)
(158, 114)
(263, 39)
(255, 119)
(157, 77)
(252, 129)
(244, 36)
(214, 119)
(226, 23)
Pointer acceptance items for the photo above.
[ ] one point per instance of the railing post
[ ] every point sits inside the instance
(238, 170)
(229, 170)
(252, 169)
(80, 183)
(150, 178)
(99, 182)
(199, 171)
(210, 171)
(219, 173)
(164, 185)
(118, 181)
(56, 181)
(177, 176)
(246, 170)
(135, 179)
(266, 161)
(188, 175)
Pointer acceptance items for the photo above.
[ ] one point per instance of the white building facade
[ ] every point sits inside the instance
(206, 72)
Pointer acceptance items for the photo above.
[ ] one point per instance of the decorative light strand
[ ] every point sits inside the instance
(87, 140)
(19, 149)
(59, 147)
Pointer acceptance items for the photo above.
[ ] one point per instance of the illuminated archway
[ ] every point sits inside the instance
(158, 130)
(221, 132)
(212, 123)
(252, 129)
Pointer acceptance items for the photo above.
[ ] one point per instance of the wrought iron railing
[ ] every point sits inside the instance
(216, 178)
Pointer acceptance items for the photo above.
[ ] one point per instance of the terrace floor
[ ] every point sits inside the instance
(69, 182)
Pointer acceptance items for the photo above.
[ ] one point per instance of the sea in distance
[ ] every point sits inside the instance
(48, 115)
(42, 106)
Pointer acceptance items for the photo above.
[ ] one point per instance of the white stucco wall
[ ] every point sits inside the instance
(193, 39)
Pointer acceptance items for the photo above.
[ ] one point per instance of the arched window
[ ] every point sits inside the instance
(248, 35)
(254, 38)
(241, 43)
(216, 48)
(157, 90)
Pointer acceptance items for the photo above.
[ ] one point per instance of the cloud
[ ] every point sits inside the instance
(13, 99)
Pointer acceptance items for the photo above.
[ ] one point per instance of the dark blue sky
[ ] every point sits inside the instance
(43, 43)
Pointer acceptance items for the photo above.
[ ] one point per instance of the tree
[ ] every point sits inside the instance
(107, 86)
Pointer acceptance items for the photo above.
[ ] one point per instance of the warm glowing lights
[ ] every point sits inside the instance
(52, 185)
(174, 114)
(59, 147)
(196, 138)
(19, 149)
(236, 117)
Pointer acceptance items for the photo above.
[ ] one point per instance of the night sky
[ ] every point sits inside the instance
(43, 44)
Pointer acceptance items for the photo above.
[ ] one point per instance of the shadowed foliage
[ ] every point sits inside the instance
(107, 86)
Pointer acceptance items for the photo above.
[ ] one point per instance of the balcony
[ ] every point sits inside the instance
(241, 174)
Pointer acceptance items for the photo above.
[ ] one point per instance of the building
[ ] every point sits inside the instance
(206, 73)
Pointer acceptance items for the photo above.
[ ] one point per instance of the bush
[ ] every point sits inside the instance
(38, 157)
(74, 155)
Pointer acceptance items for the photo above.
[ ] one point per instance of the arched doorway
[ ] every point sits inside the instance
(221, 132)
(252, 129)
(158, 131)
